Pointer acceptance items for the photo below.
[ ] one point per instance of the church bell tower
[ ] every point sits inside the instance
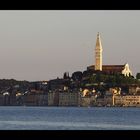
(98, 53)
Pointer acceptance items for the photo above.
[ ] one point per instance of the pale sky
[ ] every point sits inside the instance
(42, 45)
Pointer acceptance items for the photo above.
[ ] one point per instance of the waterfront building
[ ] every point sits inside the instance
(43, 100)
(127, 100)
(33, 99)
(131, 100)
(87, 101)
(12, 99)
(53, 98)
(118, 100)
(6, 98)
(1, 100)
(100, 102)
(68, 99)
(30, 100)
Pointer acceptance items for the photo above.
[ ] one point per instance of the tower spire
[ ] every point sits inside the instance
(98, 41)
(98, 53)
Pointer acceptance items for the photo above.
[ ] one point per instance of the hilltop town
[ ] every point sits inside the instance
(98, 85)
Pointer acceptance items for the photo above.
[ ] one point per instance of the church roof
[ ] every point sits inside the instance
(114, 68)
(109, 66)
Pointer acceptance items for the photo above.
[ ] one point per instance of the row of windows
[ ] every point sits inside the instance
(68, 99)
(50, 97)
(132, 97)
(67, 103)
(132, 100)
(133, 103)
(67, 96)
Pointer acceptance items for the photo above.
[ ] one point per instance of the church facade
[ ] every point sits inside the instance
(109, 69)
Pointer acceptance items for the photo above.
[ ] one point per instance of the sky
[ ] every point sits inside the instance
(42, 44)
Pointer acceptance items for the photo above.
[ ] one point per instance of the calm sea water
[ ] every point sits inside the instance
(69, 118)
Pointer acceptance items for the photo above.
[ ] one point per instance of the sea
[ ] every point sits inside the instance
(69, 118)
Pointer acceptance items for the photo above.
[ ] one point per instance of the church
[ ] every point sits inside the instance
(109, 69)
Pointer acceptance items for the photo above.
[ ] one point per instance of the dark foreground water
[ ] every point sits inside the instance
(69, 118)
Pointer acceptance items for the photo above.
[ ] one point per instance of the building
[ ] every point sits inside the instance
(43, 100)
(62, 98)
(33, 99)
(118, 100)
(30, 100)
(68, 99)
(53, 98)
(128, 100)
(109, 69)
(131, 100)
(6, 98)
(100, 102)
(1, 100)
(87, 101)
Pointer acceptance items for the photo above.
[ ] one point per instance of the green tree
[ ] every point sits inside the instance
(138, 76)
(93, 79)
